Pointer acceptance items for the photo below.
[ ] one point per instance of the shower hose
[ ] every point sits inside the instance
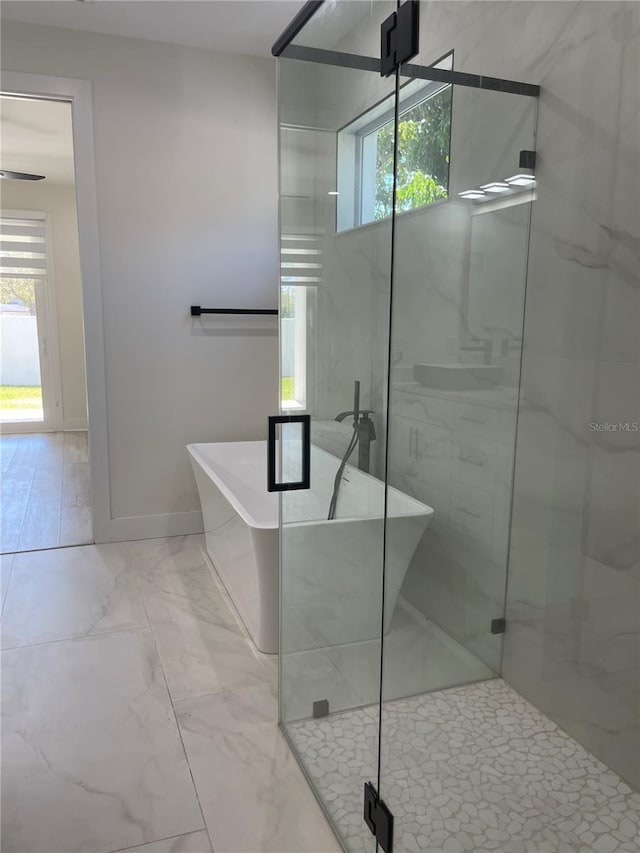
(333, 504)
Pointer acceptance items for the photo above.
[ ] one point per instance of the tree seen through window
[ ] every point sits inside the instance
(424, 132)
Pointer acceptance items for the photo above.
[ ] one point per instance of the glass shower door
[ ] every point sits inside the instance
(463, 202)
(335, 268)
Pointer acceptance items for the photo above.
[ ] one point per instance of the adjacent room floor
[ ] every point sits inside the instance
(45, 499)
(137, 712)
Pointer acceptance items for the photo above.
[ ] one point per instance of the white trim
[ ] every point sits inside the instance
(53, 387)
(78, 93)
(75, 425)
(22, 427)
(156, 526)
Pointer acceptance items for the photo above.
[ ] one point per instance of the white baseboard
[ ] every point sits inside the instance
(152, 526)
(75, 425)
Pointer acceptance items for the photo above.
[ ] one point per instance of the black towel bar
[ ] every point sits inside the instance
(196, 310)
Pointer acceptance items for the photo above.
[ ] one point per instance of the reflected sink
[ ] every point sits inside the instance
(458, 377)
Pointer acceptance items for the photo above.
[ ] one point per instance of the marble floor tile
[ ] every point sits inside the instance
(194, 842)
(70, 592)
(238, 756)
(92, 757)
(6, 564)
(201, 642)
(171, 554)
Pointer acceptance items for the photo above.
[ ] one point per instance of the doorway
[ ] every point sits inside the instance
(46, 496)
(25, 369)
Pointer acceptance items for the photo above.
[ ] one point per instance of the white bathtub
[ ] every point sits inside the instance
(332, 569)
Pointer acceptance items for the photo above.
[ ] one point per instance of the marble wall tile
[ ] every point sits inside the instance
(575, 504)
(237, 754)
(573, 647)
(573, 596)
(91, 752)
(612, 529)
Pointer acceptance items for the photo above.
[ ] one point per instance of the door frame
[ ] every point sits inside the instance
(46, 316)
(79, 94)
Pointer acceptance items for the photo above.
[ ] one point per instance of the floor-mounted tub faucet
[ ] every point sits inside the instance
(363, 427)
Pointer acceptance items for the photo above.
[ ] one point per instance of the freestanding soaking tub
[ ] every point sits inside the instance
(333, 568)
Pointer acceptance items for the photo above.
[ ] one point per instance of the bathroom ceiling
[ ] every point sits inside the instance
(233, 26)
(35, 136)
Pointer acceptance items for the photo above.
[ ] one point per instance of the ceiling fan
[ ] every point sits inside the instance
(8, 175)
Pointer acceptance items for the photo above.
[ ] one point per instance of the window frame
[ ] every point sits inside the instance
(352, 160)
(368, 159)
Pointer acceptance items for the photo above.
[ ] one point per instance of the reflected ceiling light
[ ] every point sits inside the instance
(472, 194)
(495, 187)
(333, 192)
(521, 180)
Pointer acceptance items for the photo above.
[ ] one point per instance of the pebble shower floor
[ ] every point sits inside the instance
(474, 768)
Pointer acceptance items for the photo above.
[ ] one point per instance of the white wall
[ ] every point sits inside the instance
(60, 203)
(185, 168)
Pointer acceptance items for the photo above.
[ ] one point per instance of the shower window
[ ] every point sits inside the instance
(366, 155)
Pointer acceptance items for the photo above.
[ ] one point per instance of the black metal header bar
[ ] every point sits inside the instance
(297, 23)
(424, 72)
(196, 310)
(331, 57)
(474, 81)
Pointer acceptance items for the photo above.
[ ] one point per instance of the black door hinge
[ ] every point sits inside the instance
(378, 818)
(498, 626)
(399, 37)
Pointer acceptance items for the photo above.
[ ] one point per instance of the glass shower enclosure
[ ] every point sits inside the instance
(406, 188)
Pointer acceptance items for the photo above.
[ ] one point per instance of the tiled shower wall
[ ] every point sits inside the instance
(572, 645)
(573, 640)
